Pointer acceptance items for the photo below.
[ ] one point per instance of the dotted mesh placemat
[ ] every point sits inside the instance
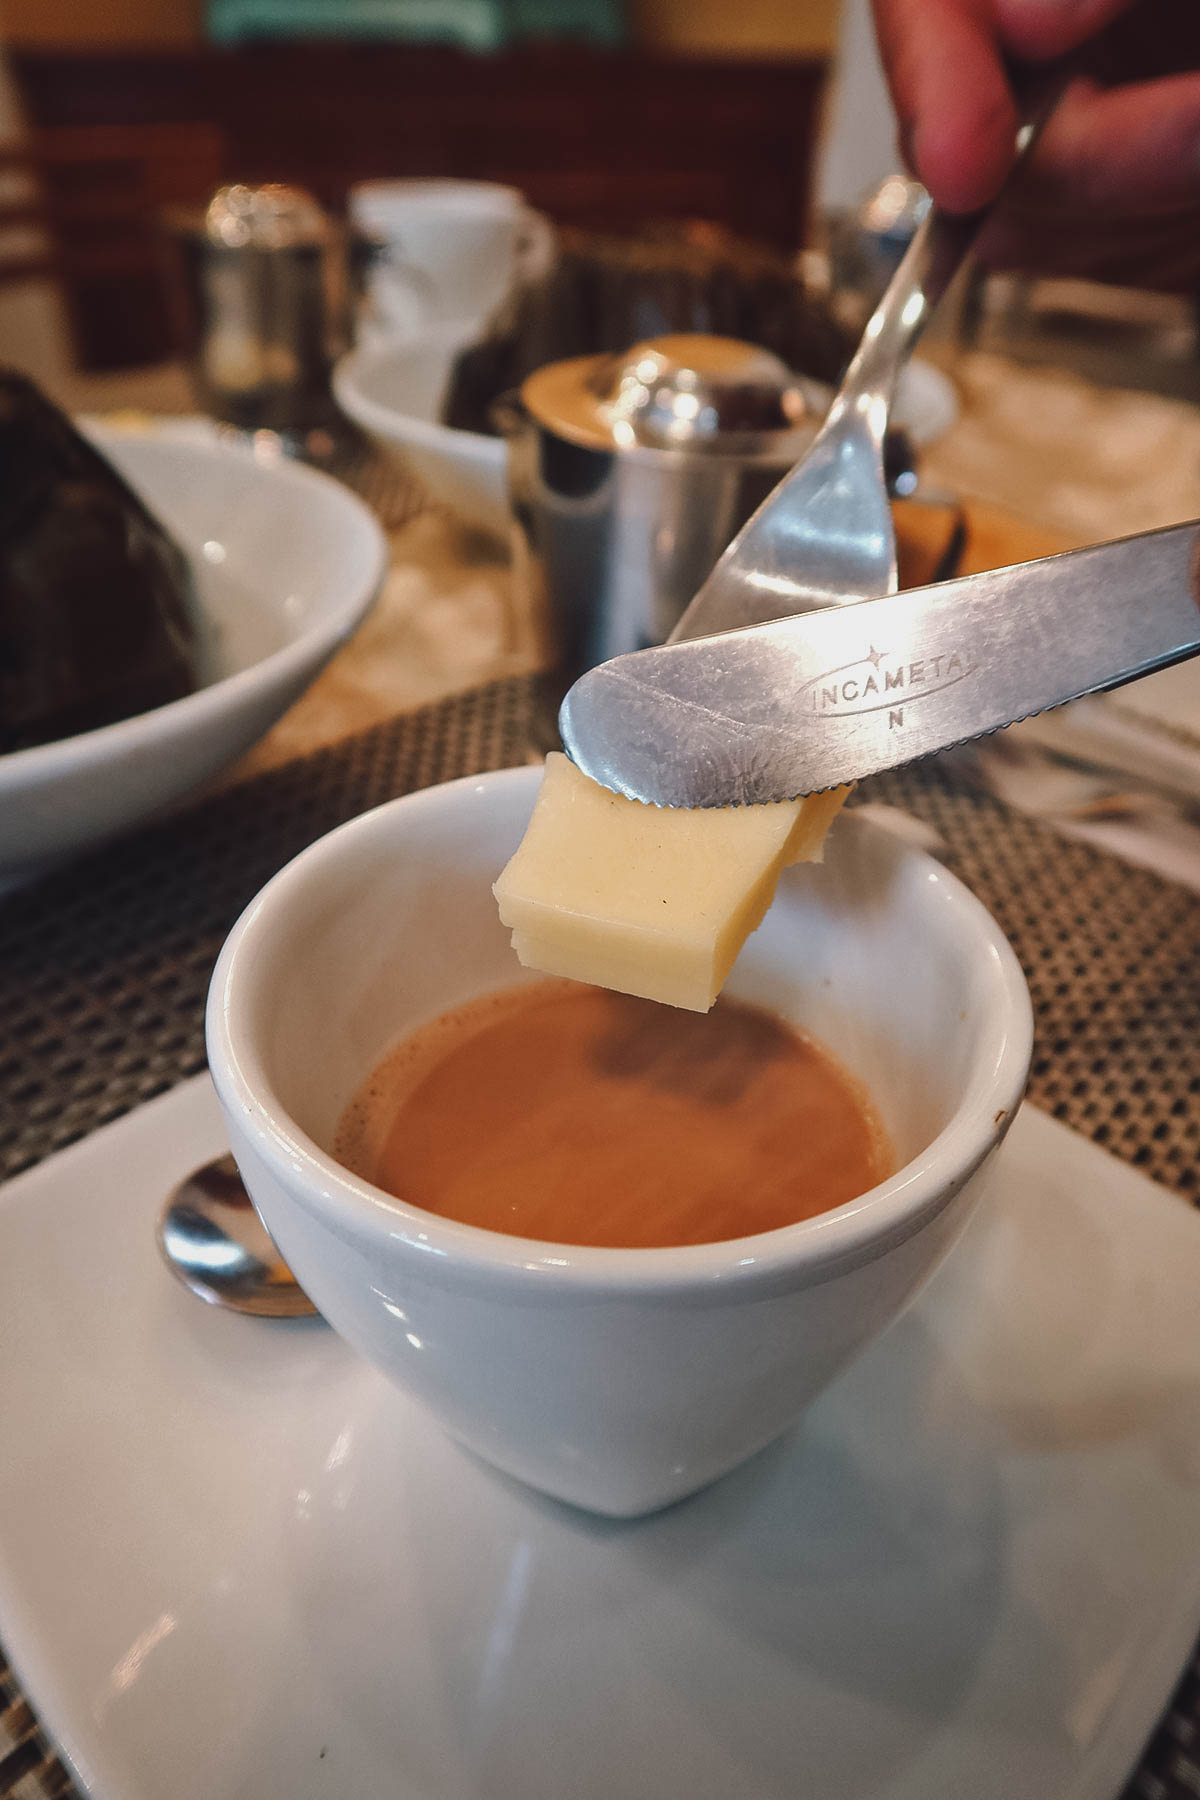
(1112, 957)
(104, 969)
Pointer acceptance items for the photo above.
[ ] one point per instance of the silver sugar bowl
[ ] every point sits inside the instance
(628, 476)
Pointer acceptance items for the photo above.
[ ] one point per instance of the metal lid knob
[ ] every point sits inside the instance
(271, 217)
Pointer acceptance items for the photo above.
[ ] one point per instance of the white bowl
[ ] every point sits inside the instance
(615, 1379)
(287, 563)
(396, 393)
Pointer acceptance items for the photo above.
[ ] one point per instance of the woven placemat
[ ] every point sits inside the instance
(104, 969)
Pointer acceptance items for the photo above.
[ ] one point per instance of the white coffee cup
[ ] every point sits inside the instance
(619, 1380)
(449, 250)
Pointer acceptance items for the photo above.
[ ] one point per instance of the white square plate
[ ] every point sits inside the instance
(233, 1563)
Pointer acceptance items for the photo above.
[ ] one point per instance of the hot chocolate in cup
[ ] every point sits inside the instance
(615, 1379)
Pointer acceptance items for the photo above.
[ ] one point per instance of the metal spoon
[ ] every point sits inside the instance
(824, 537)
(214, 1242)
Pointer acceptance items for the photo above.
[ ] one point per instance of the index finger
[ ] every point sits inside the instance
(945, 68)
(956, 113)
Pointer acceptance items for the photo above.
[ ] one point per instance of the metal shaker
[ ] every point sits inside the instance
(629, 475)
(267, 280)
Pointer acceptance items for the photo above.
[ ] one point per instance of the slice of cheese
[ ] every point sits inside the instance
(648, 900)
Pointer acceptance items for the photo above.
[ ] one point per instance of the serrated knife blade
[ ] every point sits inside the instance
(779, 710)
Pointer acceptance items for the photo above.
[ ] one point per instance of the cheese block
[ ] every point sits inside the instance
(648, 900)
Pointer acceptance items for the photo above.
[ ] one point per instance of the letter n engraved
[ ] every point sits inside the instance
(895, 717)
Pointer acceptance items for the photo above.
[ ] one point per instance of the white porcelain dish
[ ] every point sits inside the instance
(396, 394)
(926, 402)
(235, 1562)
(287, 562)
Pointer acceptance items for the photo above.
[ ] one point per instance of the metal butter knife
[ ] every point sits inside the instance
(788, 708)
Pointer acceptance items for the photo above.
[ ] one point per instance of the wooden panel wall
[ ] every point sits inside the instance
(601, 139)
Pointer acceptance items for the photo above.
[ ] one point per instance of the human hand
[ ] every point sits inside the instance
(1112, 189)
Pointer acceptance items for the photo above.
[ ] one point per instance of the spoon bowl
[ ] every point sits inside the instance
(214, 1242)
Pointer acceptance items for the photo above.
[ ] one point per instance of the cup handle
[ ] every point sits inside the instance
(536, 245)
(399, 306)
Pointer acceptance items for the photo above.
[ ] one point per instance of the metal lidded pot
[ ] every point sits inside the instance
(628, 476)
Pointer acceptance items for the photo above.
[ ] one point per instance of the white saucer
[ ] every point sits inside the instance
(232, 1563)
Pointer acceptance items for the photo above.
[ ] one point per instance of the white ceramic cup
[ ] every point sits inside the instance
(451, 249)
(618, 1380)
